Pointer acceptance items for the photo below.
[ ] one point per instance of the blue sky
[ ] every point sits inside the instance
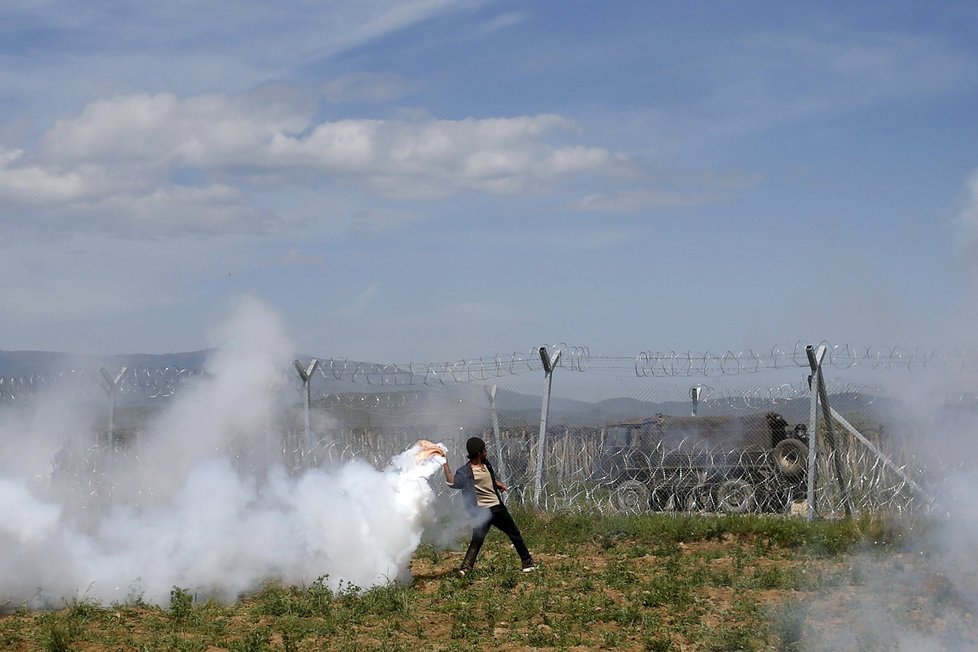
(433, 180)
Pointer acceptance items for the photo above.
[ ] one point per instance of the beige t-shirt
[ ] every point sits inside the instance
(485, 495)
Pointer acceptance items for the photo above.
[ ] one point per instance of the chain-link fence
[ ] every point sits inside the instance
(736, 432)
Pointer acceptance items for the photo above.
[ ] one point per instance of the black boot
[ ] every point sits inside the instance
(469, 561)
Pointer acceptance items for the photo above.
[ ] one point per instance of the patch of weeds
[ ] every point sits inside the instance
(688, 622)
(533, 602)
(743, 629)
(773, 576)
(505, 577)
(609, 540)
(556, 531)
(832, 538)
(314, 600)
(585, 610)
(619, 574)
(177, 643)
(781, 532)
(454, 586)
(882, 531)
(257, 640)
(296, 628)
(288, 644)
(387, 600)
(182, 606)
(667, 549)
(586, 584)
(542, 636)
(493, 608)
(464, 624)
(728, 637)
(11, 634)
(318, 598)
(611, 639)
(274, 600)
(59, 635)
(827, 579)
(667, 590)
(628, 614)
(84, 610)
(722, 577)
(349, 597)
(659, 643)
(672, 587)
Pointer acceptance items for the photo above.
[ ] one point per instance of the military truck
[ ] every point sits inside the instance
(731, 464)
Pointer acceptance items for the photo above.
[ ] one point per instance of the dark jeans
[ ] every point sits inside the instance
(500, 517)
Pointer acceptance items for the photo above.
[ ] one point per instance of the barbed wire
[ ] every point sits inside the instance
(162, 382)
(572, 358)
(148, 382)
(840, 356)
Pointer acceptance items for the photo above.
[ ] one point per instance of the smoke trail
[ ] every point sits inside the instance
(204, 507)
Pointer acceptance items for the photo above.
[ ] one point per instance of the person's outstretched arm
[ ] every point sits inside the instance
(449, 477)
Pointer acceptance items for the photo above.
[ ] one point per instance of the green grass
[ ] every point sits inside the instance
(654, 582)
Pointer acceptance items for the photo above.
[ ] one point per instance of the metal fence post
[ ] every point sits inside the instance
(813, 439)
(111, 387)
(548, 369)
(815, 362)
(497, 442)
(305, 373)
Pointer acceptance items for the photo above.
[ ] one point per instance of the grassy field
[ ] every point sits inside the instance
(657, 582)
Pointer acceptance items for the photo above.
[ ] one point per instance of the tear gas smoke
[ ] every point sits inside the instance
(198, 509)
(923, 595)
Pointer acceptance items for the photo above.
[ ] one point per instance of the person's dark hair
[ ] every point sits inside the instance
(474, 446)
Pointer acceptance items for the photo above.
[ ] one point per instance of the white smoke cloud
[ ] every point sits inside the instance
(203, 505)
(919, 593)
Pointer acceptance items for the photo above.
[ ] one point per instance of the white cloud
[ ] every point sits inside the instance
(23, 182)
(113, 165)
(160, 130)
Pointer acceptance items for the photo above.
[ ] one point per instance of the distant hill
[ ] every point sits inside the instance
(26, 363)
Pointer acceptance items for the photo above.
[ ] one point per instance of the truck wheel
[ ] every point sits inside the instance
(735, 496)
(791, 457)
(631, 497)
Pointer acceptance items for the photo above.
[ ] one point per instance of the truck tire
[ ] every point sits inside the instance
(631, 497)
(735, 496)
(791, 457)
